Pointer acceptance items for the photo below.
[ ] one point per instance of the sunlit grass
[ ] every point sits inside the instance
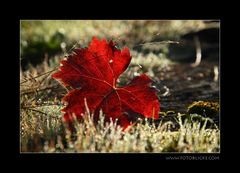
(109, 138)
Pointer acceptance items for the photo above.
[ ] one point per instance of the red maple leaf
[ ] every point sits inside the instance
(92, 72)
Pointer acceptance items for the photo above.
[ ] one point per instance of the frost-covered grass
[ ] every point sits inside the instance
(53, 136)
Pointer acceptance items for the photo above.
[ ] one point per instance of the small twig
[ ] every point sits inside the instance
(39, 75)
(166, 92)
(158, 42)
(216, 72)
(198, 52)
(41, 112)
(29, 107)
(71, 49)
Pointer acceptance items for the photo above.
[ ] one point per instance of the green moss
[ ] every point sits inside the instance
(207, 109)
